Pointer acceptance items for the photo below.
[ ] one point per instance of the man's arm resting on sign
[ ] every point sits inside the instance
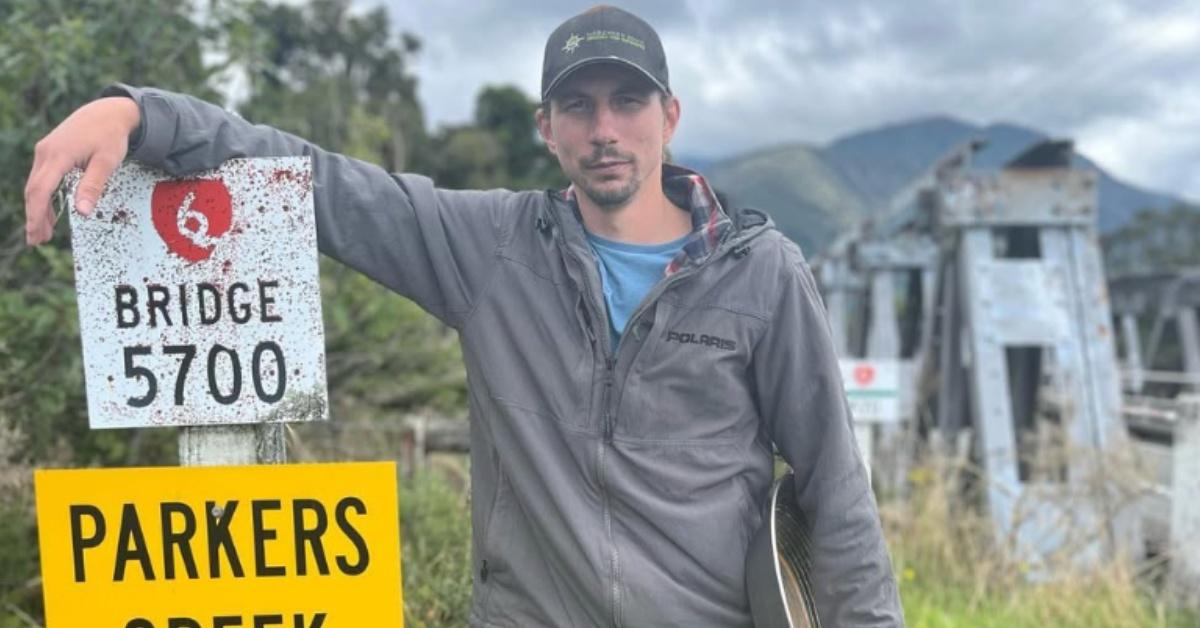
(433, 246)
(801, 398)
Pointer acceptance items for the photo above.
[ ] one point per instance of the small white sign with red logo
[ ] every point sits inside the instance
(199, 300)
(873, 389)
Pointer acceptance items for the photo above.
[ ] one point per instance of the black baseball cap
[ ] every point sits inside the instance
(603, 34)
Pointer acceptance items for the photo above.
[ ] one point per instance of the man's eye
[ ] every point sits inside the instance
(573, 105)
(628, 101)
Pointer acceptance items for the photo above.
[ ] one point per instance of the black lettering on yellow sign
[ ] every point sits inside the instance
(131, 545)
(79, 542)
(299, 620)
(177, 539)
(348, 568)
(262, 534)
(219, 538)
(179, 524)
(309, 536)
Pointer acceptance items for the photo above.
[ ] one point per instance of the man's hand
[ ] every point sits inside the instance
(95, 138)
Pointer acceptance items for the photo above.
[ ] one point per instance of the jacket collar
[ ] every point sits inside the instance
(689, 190)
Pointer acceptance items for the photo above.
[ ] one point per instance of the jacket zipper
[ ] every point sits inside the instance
(610, 364)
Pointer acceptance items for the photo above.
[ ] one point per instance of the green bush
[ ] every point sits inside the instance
(19, 590)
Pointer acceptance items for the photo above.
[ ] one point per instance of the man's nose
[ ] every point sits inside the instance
(604, 126)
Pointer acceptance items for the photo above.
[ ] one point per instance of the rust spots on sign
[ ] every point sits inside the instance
(303, 179)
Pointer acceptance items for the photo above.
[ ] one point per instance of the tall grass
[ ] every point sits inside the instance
(436, 545)
(954, 572)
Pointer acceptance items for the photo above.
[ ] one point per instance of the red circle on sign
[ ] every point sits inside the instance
(190, 215)
(864, 374)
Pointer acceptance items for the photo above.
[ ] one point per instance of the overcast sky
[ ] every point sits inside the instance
(1120, 77)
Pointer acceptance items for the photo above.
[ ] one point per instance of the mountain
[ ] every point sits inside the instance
(815, 192)
(796, 177)
(876, 164)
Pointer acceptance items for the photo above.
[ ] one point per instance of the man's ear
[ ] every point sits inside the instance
(543, 125)
(671, 112)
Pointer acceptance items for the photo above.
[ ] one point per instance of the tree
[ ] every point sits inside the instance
(334, 77)
(468, 157)
(1155, 241)
(339, 79)
(507, 113)
(501, 149)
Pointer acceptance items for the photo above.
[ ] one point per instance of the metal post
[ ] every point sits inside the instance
(1189, 339)
(420, 447)
(833, 276)
(1133, 351)
(883, 336)
(1185, 503)
(883, 342)
(203, 446)
(928, 302)
(952, 413)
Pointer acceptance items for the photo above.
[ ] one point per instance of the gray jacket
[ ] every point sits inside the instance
(612, 486)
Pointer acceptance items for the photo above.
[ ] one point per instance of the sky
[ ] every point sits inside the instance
(1120, 77)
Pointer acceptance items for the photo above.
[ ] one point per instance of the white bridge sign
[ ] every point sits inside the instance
(199, 301)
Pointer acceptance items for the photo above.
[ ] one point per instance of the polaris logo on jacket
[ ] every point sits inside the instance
(684, 338)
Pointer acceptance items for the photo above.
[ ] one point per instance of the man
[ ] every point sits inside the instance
(633, 352)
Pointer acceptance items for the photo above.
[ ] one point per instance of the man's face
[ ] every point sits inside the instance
(608, 125)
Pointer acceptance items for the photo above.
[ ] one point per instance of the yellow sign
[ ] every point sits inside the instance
(287, 546)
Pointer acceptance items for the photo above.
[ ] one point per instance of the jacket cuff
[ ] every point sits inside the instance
(151, 140)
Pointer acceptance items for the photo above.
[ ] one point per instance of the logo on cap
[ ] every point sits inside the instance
(572, 43)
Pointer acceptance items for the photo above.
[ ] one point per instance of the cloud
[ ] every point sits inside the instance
(1114, 74)
(1162, 147)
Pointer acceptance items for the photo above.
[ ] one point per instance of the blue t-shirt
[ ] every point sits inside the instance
(627, 273)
